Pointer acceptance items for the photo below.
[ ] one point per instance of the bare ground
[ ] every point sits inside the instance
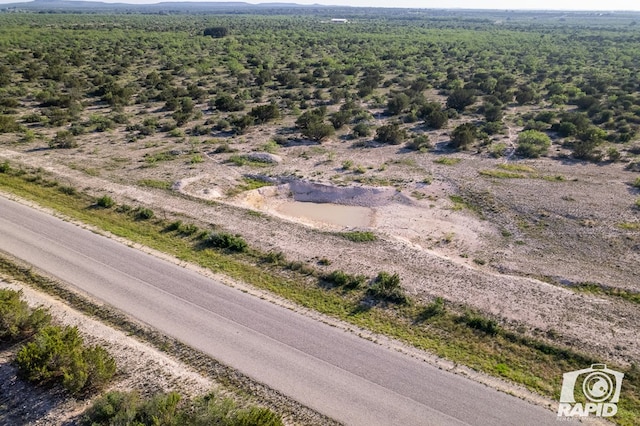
(510, 250)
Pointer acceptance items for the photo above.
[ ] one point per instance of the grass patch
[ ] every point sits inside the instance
(595, 288)
(554, 178)
(154, 183)
(502, 174)
(455, 333)
(358, 236)
(463, 203)
(517, 168)
(243, 160)
(156, 157)
(629, 226)
(372, 180)
(447, 161)
(248, 184)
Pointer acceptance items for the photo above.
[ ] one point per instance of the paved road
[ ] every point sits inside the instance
(332, 371)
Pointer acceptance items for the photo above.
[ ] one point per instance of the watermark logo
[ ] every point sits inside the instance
(600, 387)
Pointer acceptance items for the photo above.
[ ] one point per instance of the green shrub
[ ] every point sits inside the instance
(64, 139)
(532, 144)
(105, 201)
(126, 408)
(227, 241)
(17, 320)
(57, 355)
(174, 226)
(143, 213)
(8, 124)
(420, 143)
(160, 409)
(5, 167)
(68, 190)
(124, 208)
(391, 133)
(361, 130)
(480, 323)
(433, 309)
(463, 136)
(342, 279)
(275, 257)
(114, 408)
(387, 287)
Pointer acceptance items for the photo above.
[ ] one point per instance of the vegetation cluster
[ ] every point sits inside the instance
(303, 78)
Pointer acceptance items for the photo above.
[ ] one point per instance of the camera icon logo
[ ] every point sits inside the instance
(600, 387)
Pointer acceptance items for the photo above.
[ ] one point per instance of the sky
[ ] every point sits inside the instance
(602, 5)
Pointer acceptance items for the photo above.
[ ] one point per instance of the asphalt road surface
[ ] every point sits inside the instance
(345, 377)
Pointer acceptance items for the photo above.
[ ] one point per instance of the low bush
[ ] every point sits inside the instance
(143, 213)
(68, 190)
(58, 355)
(480, 323)
(387, 287)
(105, 201)
(64, 139)
(5, 167)
(127, 408)
(391, 134)
(342, 279)
(275, 258)
(17, 320)
(434, 309)
(226, 241)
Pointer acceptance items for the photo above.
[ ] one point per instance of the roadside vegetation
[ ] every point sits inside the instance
(376, 303)
(191, 90)
(129, 408)
(51, 354)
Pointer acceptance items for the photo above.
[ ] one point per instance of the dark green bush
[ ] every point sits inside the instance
(17, 320)
(67, 190)
(433, 309)
(57, 355)
(227, 241)
(275, 257)
(361, 130)
(477, 322)
(420, 143)
(463, 136)
(391, 133)
(114, 408)
(64, 139)
(127, 408)
(143, 213)
(5, 167)
(342, 279)
(105, 201)
(387, 287)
